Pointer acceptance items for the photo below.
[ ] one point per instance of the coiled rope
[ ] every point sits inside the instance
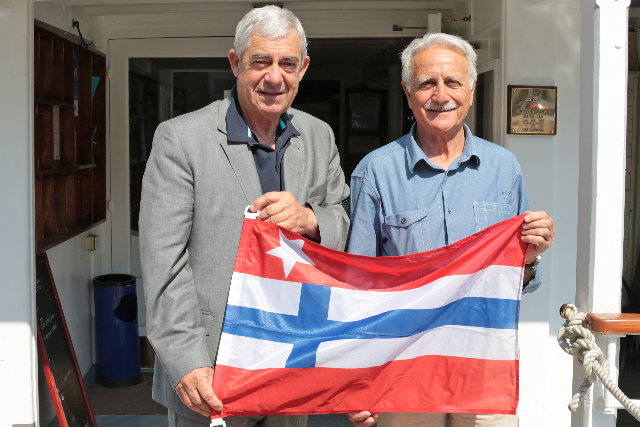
(575, 339)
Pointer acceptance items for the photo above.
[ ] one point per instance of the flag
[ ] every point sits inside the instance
(310, 330)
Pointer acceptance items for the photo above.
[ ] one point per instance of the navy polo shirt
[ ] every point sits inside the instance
(268, 160)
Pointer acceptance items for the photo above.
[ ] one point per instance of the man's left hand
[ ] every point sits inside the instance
(280, 207)
(538, 231)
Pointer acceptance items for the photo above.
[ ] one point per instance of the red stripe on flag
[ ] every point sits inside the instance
(494, 245)
(425, 384)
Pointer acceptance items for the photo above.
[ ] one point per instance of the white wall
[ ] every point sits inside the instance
(463, 29)
(73, 267)
(18, 399)
(486, 25)
(542, 47)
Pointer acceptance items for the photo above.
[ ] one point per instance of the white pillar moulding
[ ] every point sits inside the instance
(603, 102)
(18, 350)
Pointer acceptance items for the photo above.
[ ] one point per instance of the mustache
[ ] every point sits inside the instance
(434, 106)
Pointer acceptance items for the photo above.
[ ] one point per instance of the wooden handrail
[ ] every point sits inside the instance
(614, 323)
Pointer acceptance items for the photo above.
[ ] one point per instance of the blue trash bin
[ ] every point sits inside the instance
(117, 342)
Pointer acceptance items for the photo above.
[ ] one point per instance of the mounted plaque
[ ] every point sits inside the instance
(532, 110)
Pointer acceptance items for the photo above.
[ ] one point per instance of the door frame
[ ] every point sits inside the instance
(499, 100)
(498, 128)
(120, 51)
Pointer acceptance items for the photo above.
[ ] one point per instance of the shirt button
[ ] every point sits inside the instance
(404, 220)
(449, 211)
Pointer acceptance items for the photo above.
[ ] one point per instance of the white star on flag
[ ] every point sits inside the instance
(290, 251)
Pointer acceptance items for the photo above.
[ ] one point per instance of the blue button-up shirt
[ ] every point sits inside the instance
(401, 203)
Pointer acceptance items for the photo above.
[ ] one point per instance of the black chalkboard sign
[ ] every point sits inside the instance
(57, 355)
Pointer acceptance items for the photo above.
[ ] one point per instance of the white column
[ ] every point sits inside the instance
(18, 353)
(603, 103)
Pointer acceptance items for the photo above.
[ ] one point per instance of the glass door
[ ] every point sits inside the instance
(151, 80)
(160, 89)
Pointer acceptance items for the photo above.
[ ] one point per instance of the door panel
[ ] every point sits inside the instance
(166, 54)
(152, 80)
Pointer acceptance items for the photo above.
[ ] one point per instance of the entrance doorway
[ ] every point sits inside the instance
(152, 81)
(353, 84)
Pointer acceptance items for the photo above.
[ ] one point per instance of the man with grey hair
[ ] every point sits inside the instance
(250, 149)
(437, 185)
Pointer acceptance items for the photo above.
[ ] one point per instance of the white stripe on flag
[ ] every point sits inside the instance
(275, 296)
(495, 281)
(252, 353)
(457, 341)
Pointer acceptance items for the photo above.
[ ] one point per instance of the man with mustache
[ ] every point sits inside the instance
(205, 168)
(437, 185)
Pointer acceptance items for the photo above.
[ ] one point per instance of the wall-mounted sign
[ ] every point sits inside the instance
(532, 110)
(365, 111)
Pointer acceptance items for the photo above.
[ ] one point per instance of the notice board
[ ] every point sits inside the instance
(57, 355)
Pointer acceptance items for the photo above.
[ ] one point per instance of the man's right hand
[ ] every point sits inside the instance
(196, 391)
(364, 418)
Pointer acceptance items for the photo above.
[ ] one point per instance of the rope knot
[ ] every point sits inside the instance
(575, 339)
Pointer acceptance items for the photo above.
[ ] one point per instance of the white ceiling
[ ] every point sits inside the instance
(375, 19)
(328, 9)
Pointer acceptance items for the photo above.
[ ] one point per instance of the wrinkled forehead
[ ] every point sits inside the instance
(289, 45)
(439, 62)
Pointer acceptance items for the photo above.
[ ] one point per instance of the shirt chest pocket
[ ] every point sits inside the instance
(487, 214)
(405, 233)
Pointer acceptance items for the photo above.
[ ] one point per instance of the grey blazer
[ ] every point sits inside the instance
(195, 189)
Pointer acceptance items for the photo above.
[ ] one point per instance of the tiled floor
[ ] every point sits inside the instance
(161, 421)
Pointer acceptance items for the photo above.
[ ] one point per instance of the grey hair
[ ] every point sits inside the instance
(441, 40)
(271, 22)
